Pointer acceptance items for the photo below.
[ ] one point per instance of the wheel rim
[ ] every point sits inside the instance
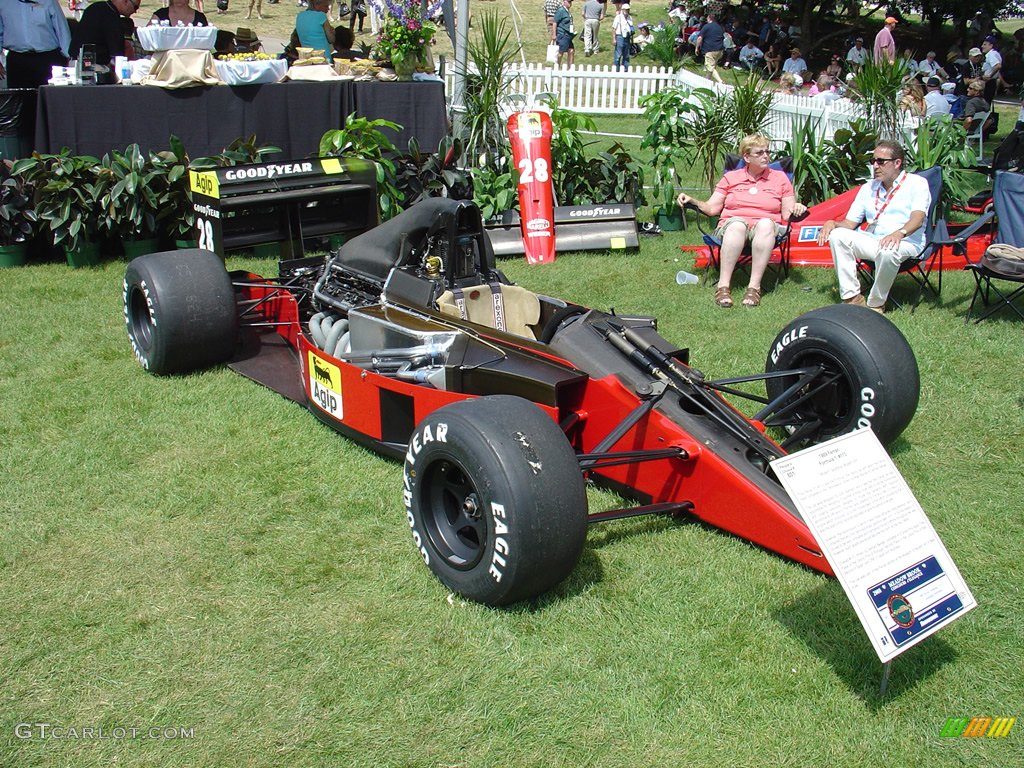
(140, 321)
(832, 403)
(454, 516)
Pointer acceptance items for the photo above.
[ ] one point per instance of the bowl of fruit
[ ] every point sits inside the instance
(250, 68)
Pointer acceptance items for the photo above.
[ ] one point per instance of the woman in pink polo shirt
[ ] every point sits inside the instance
(754, 203)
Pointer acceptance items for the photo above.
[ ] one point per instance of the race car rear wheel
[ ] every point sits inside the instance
(870, 373)
(495, 499)
(179, 308)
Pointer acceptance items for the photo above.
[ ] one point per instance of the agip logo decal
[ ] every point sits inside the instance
(529, 125)
(325, 385)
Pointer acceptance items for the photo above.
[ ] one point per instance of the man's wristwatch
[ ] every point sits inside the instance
(902, 231)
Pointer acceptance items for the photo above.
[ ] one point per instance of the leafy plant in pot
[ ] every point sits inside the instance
(669, 136)
(420, 175)
(364, 138)
(17, 216)
(134, 194)
(176, 219)
(68, 192)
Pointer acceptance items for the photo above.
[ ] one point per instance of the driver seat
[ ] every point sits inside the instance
(509, 308)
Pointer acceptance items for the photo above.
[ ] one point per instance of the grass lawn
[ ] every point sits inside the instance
(198, 553)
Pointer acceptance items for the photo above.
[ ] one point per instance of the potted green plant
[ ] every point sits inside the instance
(68, 193)
(17, 217)
(420, 175)
(241, 151)
(360, 137)
(669, 136)
(134, 194)
(615, 175)
(176, 218)
(488, 75)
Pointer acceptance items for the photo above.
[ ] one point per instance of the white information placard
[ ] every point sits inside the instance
(888, 558)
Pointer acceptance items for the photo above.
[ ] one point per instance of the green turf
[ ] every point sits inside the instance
(197, 552)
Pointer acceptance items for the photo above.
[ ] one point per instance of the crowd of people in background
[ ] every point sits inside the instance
(746, 37)
(750, 38)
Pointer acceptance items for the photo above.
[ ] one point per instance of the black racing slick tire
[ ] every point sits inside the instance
(870, 375)
(180, 311)
(495, 499)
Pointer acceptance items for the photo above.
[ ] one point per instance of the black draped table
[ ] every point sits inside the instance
(92, 120)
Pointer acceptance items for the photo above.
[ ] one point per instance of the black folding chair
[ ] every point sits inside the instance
(707, 226)
(1003, 261)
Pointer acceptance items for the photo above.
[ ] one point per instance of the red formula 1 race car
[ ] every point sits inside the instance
(503, 402)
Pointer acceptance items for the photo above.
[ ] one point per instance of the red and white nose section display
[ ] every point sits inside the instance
(530, 133)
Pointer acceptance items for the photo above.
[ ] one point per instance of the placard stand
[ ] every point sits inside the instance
(886, 669)
(896, 572)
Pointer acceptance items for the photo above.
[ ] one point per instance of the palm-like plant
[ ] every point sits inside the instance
(942, 141)
(825, 168)
(877, 87)
(491, 53)
(752, 101)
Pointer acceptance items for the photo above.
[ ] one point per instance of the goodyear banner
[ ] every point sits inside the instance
(530, 133)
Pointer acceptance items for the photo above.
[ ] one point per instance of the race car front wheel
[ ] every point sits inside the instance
(495, 499)
(179, 308)
(869, 374)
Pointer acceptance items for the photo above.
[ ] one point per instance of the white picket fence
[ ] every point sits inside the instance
(599, 90)
(788, 110)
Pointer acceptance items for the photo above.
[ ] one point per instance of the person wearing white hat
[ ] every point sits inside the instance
(622, 28)
(857, 55)
(565, 31)
(795, 64)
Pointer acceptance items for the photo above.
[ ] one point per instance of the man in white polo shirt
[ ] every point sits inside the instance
(894, 204)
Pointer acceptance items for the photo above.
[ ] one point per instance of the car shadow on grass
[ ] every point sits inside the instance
(825, 622)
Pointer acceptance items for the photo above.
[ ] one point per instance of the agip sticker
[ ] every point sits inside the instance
(325, 385)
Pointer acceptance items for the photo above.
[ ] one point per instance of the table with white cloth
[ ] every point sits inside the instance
(92, 120)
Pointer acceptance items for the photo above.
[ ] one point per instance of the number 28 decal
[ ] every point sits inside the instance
(530, 170)
(205, 229)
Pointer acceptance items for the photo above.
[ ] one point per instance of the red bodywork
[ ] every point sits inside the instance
(726, 495)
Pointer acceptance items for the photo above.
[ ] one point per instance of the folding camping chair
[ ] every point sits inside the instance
(978, 133)
(936, 240)
(936, 237)
(1003, 261)
(707, 226)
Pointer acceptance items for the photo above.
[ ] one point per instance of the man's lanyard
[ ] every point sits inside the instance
(888, 198)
